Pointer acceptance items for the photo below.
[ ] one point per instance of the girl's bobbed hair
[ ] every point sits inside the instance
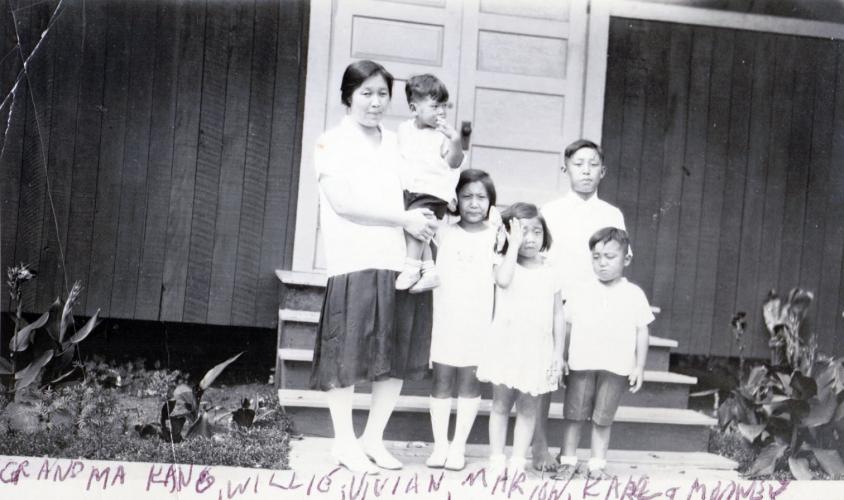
(521, 210)
(471, 175)
(356, 73)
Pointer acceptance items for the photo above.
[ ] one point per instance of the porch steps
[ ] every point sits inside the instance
(655, 418)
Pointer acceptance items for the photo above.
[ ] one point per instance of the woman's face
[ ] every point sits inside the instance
(370, 101)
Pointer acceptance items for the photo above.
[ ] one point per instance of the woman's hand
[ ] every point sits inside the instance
(420, 223)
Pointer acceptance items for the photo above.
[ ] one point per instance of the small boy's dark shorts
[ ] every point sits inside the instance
(423, 200)
(595, 394)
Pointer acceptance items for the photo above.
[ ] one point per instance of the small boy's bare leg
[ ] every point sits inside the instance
(600, 440)
(429, 279)
(541, 457)
(571, 437)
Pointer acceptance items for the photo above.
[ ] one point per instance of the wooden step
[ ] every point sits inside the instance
(667, 429)
(297, 330)
(661, 389)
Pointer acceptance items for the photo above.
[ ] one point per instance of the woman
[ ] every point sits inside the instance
(368, 331)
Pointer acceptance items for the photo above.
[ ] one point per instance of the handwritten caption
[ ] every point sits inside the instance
(340, 484)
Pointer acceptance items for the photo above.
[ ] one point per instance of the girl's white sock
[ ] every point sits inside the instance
(596, 463)
(427, 265)
(440, 409)
(467, 410)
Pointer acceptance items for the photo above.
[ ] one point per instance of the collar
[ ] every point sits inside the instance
(348, 124)
(576, 199)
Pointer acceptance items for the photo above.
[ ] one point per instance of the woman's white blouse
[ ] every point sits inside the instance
(371, 173)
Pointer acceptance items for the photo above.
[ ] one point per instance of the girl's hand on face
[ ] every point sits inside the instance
(420, 223)
(515, 235)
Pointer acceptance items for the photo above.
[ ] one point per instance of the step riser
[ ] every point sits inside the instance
(652, 394)
(413, 426)
(302, 336)
(303, 298)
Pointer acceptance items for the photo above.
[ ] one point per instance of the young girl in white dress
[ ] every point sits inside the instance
(524, 350)
(462, 315)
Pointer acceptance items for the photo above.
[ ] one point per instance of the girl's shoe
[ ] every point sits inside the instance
(598, 474)
(564, 472)
(438, 458)
(456, 459)
(517, 465)
(354, 460)
(497, 467)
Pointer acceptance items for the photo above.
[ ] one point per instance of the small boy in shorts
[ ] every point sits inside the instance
(432, 154)
(607, 311)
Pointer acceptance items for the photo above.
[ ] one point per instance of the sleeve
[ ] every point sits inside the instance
(644, 315)
(327, 156)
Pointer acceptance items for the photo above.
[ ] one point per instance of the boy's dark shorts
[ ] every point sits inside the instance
(593, 394)
(423, 200)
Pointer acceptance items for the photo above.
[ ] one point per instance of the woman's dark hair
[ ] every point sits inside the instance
(572, 148)
(356, 73)
(476, 175)
(608, 234)
(520, 210)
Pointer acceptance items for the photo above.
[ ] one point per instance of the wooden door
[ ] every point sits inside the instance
(521, 86)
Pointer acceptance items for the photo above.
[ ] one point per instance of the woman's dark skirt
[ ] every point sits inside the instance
(370, 331)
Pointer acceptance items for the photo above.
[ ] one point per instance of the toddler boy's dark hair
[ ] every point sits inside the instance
(607, 234)
(419, 87)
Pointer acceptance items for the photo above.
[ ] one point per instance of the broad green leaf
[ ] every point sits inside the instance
(215, 372)
(20, 342)
(28, 375)
(186, 403)
(839, 413)
(800, 468)
(831, 462)
(751, 432)
(803, 387)
(820, 412)
(766, 460)
(201, 427)
(80, 335)
(54, 325)
(6, 367)
(67, 318)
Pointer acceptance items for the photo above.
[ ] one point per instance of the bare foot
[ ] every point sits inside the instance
(543, 461)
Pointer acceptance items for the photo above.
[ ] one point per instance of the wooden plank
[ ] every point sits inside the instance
(255, 170)
(32, 215)
(241, 20)
(748, 298)
(735, 177)
(672, 176)
(87, 149)
(778, 164)
(645, 218)
(632, 121)
(208, 158)
(694, 169)
(132, 205)
(611, 134)
(192, 38)
(830, 303)
(815, 256)
(112, 138)
(797, 171)
(12, 121)
(162, 124)
(713, 192)
(283, 176)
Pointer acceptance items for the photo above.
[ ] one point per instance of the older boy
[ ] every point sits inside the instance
(607, 311)
(575, 216)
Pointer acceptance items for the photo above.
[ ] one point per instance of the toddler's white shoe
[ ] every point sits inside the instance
(428, 281)
(407, 279)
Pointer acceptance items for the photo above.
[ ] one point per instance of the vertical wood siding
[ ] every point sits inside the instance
(169, 133)
(725, 153)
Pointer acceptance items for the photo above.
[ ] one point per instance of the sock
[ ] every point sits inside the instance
(566, 460)
(467, 410)
(427, 266)
(440, 415)
(597, 463)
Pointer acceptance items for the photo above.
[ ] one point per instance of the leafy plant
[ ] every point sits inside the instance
(185, 415)
(784, 410)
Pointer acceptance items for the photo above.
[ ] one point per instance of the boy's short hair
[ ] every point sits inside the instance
(521, 210)
(358, 72)
(419, 87)
(607, 234)
(580, 144)
(477, 175)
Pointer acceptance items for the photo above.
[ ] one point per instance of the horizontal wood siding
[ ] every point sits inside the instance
(153, 154)
(724, 150)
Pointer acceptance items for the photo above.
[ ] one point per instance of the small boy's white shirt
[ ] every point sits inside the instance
(572, 221)
(604, 320)
(425, 169)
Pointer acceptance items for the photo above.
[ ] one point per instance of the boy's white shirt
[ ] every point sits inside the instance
(604, 320)
(424, 168)
(572, 221)
(371, 174)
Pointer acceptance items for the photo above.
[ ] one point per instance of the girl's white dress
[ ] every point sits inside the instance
(463, 301)
(518, 351)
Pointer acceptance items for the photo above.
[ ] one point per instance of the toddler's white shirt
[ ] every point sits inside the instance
(425, 170)
(603, 325)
